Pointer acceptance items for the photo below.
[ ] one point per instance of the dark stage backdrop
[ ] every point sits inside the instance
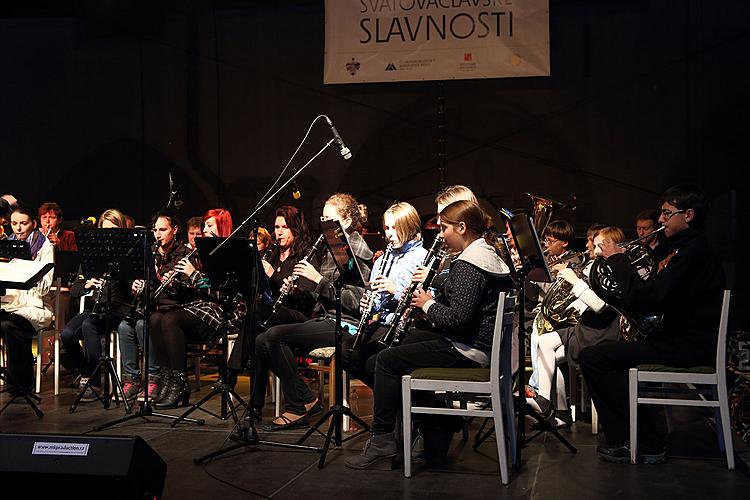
(100, 100)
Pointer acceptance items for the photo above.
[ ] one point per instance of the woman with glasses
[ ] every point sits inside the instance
(274, 349)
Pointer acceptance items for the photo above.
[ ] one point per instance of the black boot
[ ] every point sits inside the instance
(179, 391)
(165, 382)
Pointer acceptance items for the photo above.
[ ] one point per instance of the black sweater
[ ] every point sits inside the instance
(466, 311)
(688, 292)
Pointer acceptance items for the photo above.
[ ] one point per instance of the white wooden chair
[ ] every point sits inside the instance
(715, 377)
(494, 381)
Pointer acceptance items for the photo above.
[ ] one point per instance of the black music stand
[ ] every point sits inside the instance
(143, 247)
(112, 253)
(534, 268)
(248, 282)
(349, 274)
(231, 272)
(10, 250)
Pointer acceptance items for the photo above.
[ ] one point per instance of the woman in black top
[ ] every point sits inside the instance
(274, 349)
(90, 326)
(464, 324)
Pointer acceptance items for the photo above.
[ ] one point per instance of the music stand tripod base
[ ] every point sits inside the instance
(17, 392)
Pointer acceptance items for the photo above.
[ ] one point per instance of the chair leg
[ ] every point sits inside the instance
(633, 401)
(332, 382)
(345, 384)
(502, 454)
(277, 387)
(594, 419)
(406, 412)
(510, 413)
(57, 365)
(726, 426)
(39, 358)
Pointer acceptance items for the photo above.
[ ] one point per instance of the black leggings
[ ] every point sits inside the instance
(17, 333)
(170, 331)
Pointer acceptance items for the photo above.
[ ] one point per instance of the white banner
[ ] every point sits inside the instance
(408, 40)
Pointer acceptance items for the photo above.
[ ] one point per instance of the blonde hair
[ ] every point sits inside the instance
(348, 207)
(114, 216)
(263, 235)
(407, 221)
(455, 193)
(611, 233)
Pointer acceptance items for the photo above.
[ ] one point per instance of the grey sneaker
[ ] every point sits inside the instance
(91, 393)
(379, 452)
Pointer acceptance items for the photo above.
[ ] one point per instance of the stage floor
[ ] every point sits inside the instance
(548, 471)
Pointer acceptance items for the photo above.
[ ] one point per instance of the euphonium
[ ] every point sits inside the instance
(556, 308)
(367, 311)
(601, 280)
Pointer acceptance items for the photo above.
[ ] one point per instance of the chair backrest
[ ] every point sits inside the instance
(502, 336)
(721, 346)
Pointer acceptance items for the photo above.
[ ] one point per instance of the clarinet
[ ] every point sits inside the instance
(289, 285)
(367, 311)
(136, 310)
(166, 282)
(402, 315)
(97, 310)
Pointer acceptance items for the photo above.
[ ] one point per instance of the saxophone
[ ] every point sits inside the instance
(402, 315)
(289, 285)
(367, 311)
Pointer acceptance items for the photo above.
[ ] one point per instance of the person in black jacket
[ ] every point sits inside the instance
(687, 291)
(464, 324)
(90, 325)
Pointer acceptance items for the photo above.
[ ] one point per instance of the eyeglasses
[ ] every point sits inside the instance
(667, 214)
(323, 218)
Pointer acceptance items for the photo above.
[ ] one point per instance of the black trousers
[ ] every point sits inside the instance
(17, 333)
(170, 331)
(90, 329)
(424, 350)
(605, 369)
(274, 351)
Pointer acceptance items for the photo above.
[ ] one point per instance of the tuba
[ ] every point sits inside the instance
(633, 326)
(542, 209)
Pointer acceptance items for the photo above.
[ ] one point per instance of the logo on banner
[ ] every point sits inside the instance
(390, 67)
(352, 66)
(467, 56)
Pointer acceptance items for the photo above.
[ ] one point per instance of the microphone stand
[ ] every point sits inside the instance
(272, 196)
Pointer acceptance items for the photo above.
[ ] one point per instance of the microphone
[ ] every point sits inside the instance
(174, 194)
(296, 193)
(345, 152)
(88, 221)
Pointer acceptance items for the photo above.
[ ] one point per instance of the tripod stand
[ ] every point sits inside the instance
(245, 262)
(349, 274)
(534, 267)
(143, 269)
(17, 391)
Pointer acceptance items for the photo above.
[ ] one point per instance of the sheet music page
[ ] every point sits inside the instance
(20, 271)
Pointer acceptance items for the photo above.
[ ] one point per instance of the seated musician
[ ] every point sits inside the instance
(50, 217)
(169, 251)
(596, 323)
(390, 277)
(199, 319)
(274, 349)
(194, 230)
(90, 325)
(263, 240)
(646, 222)
(687, 291)
(464, 323)
(557, 237)
(24, 312)
(292, 244)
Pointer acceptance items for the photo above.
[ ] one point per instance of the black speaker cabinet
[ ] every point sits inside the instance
(111, 467)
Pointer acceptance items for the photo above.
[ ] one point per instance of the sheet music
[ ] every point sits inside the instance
(18, 272)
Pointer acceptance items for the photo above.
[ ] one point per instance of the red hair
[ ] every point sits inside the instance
(223, 221)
